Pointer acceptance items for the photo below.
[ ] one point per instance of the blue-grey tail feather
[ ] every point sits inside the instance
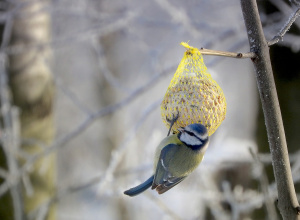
(140, 188)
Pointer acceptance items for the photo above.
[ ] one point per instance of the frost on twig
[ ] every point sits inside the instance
(118, 153)
(10, 145)
(264, 183)
(279, 36)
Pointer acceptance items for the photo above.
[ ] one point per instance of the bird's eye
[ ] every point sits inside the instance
(190, 133)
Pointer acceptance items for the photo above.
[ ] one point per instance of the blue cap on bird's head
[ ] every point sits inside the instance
(198, 129)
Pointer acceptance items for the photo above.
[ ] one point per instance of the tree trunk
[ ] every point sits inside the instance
(287, 200)
(32, 88)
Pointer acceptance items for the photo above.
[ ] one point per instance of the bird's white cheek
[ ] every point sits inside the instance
(189, 139)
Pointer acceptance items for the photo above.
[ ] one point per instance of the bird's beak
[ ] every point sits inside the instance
(181, 129)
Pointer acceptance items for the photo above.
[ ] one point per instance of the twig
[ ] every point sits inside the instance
(97, 30)
(7, 31)
(114, 161)
(227, 54)
(178, 15)
(265, 81)
(27, 185)
(9, 144)
(84, 125)
(236, 46)
(101, 113)
(229, 196)
(285, 9)
(285, 28)
(117, 154)
(163, 206)
(264, 182)
(295, 2)
(4, 187)
(241, 201)
(102, 63)
(3, 173)
(64, 88)
(213, 197)
(62, 193)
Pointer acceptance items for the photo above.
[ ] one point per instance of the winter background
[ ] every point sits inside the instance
(112, 63)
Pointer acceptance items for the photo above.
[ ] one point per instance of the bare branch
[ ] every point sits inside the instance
(117, 154)
(178, 15)
(64, 88)
(3, 173)
(91, 119)
(265, 81)
(4, 188)
(9, 143)
(102, 62)
(114, 161)
(163, 206)
(285, 28)
(97, 31)
(227, 54)
(264, 183)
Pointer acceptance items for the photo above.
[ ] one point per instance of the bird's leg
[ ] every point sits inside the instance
(172, 121)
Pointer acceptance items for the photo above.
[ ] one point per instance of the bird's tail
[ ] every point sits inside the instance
(140, 188)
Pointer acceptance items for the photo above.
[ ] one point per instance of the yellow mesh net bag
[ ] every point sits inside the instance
(194, 95)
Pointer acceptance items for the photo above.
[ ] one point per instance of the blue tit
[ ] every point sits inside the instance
(175, 158)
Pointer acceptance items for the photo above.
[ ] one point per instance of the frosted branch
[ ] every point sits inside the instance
(285, 28)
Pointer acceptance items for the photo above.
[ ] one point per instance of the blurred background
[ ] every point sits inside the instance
(81, 86)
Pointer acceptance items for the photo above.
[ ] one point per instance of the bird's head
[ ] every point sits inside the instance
(194, 136)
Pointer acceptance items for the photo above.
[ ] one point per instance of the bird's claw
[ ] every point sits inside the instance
(172, 121)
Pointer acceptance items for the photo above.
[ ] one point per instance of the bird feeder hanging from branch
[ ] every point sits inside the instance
(193, 94)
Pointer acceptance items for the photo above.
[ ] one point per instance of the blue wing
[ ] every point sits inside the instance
(163, 178)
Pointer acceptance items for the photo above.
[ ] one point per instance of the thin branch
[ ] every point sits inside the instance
(236, 46)
(287, 200)
(116, 156)
(9, 143)
(66, 91)
(229, 196)
(27, 185)
(3, 173)
(118, 153)
(163, 206)
(178, 15)
(96, 30)
(264, 183)
(295, 2)
(102, 63)
(213, 198)
(90, 120)
(285, 28)
(227, 54)
(63, 193)
(4, 187)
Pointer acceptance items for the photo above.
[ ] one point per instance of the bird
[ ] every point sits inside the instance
(175, 158)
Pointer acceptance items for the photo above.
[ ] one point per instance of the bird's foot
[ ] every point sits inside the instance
(172, 121)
